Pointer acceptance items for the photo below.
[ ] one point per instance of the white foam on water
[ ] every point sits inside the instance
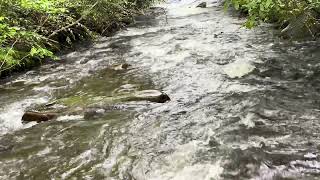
(46, 89)
(310, 156)
(137, 31)
(181, 8)
(236, 87)
(186, 11)
(248, 120)
(296, 170)
(238, 69)
(10, 115)
(200, 171)
(70, 118)
(45, 151)
(190, 3)
(179, 166)
(83, 159)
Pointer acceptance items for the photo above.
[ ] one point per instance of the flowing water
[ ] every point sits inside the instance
(244, 105)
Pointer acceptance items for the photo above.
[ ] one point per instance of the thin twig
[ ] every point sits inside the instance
(43, 22)
(8, 53)
(74, 23)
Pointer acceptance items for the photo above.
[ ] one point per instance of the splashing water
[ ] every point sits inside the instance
(244, 104)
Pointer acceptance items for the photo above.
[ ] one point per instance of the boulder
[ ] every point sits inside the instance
(202, 5)
(38, 117)
(150, 95)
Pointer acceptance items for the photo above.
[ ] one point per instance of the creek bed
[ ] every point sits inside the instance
(244, 105)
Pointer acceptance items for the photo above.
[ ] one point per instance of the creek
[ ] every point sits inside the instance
(244, 104)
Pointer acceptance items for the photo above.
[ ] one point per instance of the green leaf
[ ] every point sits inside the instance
(236, 5)
(33, 51)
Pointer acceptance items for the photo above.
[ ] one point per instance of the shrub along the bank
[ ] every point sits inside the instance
(297, 18)
(32, 30)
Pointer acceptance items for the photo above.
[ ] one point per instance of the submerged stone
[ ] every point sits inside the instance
(213, 142)
(38, 117)
(84, 61)
(202, 5)
(93, 113)
(150, 95)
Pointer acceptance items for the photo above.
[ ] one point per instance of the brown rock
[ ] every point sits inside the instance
(38, 117)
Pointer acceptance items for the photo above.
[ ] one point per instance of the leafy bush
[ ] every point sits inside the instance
(282, 12)
(31, 30)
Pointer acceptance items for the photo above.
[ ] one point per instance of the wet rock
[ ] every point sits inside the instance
(38, 117)
(84, 61)
(213, 142)
(51, 104)
(93, 113)
(150, 95)
(259, 122)
(120, 67)
(262, 145)
(202, 5)
(248, 46)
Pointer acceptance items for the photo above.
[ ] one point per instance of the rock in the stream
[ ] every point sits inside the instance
(202, 5)
(93, 113)
(49, 104)
(150, 95)
(84, 61)
(38, 117)
(123, 66)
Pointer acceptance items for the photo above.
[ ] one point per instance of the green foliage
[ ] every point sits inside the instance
(278, 11)
(34, 29)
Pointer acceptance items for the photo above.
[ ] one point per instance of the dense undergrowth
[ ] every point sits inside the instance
(32, 30)
(297, 18)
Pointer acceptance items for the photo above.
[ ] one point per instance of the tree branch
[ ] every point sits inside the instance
(74, 23)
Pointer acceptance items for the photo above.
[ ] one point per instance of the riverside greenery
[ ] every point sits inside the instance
(32, 30)
(283, 12)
